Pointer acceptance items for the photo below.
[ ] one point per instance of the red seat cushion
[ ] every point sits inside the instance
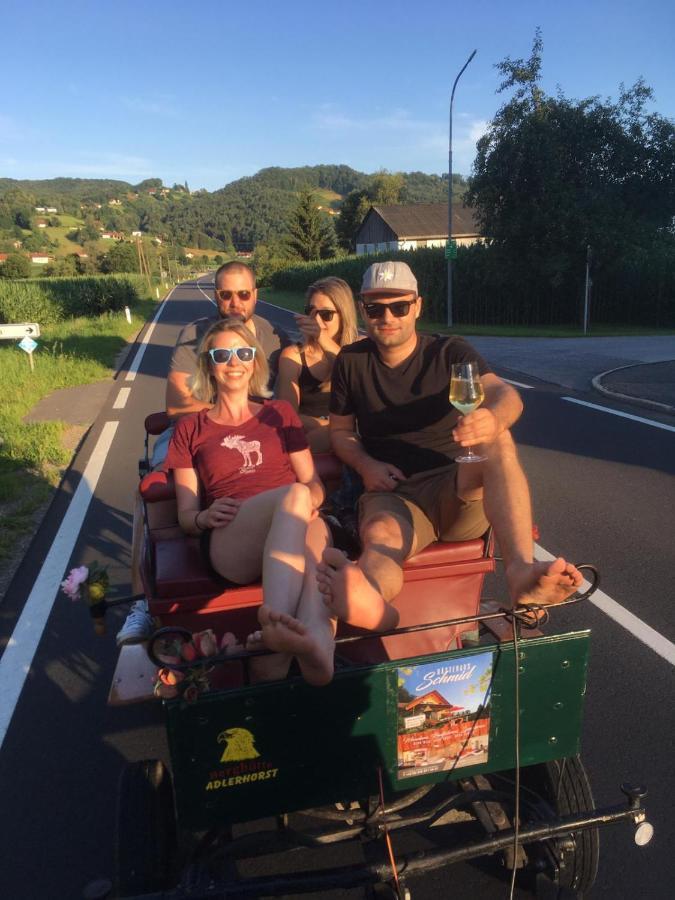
(157, 485)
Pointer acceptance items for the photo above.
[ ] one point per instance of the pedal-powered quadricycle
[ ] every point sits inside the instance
(455, 736)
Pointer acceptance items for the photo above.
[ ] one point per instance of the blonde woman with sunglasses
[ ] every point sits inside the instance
(247, 486)
(327, 325)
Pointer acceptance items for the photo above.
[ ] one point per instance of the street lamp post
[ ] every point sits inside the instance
(452, 98)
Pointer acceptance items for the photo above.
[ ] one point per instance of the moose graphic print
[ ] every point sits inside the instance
(247, 450)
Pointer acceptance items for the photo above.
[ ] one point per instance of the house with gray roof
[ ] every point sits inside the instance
(411, 226)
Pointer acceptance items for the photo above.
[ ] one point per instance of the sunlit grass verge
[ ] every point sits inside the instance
(32, 454)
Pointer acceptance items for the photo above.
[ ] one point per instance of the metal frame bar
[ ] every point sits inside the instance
(413, 864)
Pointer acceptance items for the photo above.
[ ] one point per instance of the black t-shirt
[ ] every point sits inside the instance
(403, 414)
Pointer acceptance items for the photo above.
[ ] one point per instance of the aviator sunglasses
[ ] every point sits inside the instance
(228, 295)
(326, 315)
(222, 355)
(398, 308)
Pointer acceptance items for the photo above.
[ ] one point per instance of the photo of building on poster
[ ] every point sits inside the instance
(444, 715)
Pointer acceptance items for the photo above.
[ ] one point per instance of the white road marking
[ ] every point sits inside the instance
(140, 353)
(624, 415)
(634, 626)
(210, 299)
(528, 387)
(122, 397)
(18, 656)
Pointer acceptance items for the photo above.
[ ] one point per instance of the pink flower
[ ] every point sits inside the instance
(76, 577)
(205, 642)
(188, 652)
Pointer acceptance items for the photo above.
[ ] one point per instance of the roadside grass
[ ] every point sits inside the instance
(32, 454)
(295, 301)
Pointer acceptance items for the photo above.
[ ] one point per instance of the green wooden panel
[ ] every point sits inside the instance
(244, 754)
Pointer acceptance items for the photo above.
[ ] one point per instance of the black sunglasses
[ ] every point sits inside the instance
(228, 295)
(222, 355)
(326, 315)
(398, 308)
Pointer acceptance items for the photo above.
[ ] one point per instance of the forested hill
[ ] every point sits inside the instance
(243, 213)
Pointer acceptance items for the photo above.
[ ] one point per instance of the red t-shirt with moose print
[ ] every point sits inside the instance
(239, 461)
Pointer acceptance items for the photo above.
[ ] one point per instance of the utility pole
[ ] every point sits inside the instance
(449, 246)
(587, 289)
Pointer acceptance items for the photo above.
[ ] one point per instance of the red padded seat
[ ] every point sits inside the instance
(443, 581)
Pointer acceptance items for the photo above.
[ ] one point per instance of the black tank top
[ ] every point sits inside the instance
(314, 394)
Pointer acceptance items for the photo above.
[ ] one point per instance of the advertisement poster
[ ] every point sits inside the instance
(444, 715)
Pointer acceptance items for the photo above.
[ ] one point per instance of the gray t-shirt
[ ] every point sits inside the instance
(184, 358)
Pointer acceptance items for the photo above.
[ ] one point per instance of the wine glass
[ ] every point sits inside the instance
(466, 394)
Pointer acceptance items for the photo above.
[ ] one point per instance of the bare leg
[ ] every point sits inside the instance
(239, 552)
(508, 508)
(360, 593)
(275, 521)
(309, 634)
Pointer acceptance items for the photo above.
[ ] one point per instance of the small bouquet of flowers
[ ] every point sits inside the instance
(190, 683)
(90, 584)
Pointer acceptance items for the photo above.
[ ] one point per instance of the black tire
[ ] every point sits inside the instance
(145, 829)
(561, 788)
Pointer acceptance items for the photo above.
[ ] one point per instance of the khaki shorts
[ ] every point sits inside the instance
(428, 502)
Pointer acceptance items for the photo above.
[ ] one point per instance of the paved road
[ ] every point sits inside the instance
(603, 488)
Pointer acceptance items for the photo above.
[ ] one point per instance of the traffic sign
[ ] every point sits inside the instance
(28, 344)
(12, 332)
(451, 249)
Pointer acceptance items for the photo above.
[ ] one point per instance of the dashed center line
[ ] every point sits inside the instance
(122, 397)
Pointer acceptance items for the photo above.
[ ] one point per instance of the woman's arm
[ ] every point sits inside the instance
(187, 500)
(305, 472)
(191, 518)
(288, 379)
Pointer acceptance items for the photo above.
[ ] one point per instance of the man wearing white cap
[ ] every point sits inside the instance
(391, 421)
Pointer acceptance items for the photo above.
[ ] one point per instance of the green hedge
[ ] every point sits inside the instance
(48, 300)
(492, 286)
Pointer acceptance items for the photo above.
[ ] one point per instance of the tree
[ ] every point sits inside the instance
(553, 176)
(311, 234)
(352, 212)
(122, 257)
(383, 188)
(15, 266)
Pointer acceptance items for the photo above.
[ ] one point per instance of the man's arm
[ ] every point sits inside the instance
(179, 398)
(501, 409)
(376, 475)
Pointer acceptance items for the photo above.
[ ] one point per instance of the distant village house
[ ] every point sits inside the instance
(40, 259)
(411, 226)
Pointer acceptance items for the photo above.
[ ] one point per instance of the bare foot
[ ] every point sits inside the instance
(266, 668)
(542, 582)
(286, 634)
(350, 596)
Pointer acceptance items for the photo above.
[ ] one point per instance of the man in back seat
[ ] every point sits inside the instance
(235, 294)
(391, 421)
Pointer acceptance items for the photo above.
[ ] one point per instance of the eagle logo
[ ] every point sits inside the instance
(239, 744)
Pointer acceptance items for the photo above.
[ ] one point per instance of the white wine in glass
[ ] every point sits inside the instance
(466, 394)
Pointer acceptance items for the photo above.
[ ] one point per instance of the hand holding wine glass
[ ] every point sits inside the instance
(466, 394)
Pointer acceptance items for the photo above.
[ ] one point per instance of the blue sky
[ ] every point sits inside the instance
(212, 91)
